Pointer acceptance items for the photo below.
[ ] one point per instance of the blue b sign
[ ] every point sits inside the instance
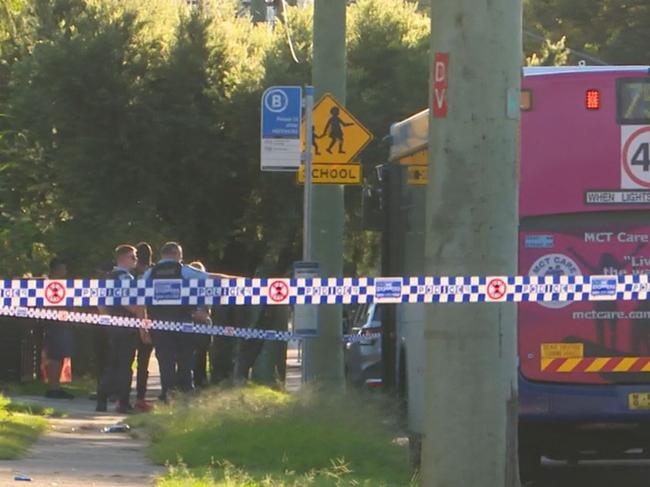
(281, 119)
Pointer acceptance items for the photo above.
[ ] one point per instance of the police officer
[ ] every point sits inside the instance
(174, 349)
(116, 377)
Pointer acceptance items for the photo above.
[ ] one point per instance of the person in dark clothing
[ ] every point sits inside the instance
(202, 315)
(100, 341)
(58, 342)
(116, 378)
(222, 350)
(174, 349)
(145, 347)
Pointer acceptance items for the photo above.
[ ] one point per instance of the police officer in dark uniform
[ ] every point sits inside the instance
(116, 377)
(174, 349)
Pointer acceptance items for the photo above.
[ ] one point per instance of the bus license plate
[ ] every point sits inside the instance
(639, 400)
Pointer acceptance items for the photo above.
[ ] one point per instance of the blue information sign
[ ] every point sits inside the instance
(281, 119)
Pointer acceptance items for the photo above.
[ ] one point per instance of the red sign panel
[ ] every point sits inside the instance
(278, 291)
(440, 84)
(54, 292)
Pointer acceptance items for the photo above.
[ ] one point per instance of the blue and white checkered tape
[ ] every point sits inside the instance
(249, 291)
(74, 317)
(64, 316)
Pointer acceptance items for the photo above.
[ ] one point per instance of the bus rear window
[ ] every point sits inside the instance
(633, 101)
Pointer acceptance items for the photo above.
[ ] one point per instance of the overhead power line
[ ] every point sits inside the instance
(574, 52)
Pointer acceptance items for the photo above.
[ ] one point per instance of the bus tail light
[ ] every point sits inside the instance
(592, 99)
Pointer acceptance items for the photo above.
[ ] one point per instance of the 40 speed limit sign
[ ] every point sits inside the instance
(635, 156)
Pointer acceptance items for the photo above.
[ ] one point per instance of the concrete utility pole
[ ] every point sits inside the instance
(470, 435)
(323, 357)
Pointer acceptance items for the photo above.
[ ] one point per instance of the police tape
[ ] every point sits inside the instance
(264, 291)
(76, 317)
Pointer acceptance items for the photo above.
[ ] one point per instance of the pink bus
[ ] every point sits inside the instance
(584, 209)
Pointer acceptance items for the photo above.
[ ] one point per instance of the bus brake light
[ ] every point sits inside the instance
(592, 99)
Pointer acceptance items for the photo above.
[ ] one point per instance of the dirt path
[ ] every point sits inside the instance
(74, 452)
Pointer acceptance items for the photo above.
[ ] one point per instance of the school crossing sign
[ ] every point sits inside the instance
(338, 136)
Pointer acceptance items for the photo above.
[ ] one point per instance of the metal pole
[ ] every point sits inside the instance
(307, 204)
(470, 431)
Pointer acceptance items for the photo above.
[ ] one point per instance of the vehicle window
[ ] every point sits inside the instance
(379, 311)
(633, 101)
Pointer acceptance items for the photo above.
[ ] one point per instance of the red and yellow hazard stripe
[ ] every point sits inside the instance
(596, 364)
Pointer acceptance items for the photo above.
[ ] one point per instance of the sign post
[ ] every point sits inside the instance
(281, 119)
(307, 155)
(305, 317)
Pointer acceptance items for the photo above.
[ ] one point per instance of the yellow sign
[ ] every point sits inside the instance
(420, 158)
(417, 175)
(638, 400)
(338, 136)
(332, 174)
(562, 350)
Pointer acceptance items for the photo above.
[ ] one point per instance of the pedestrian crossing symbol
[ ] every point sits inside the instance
(338, 136)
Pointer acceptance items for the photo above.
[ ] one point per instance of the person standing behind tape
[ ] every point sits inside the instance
(174, 349)
(59, 341)
(201, 315)
(122, 342)
(145, 347)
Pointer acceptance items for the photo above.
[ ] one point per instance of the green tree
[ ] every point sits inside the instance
(608, 29)
(128, 121)
(74, 108)
(550, 54)
(388, 66)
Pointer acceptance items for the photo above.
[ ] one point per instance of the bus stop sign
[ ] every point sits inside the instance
(280, 137)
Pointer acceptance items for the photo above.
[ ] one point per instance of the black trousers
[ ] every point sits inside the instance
(199, 361)
(144, 354)
(174, 352)
(221, 359)
(116, 376)
(101, 353)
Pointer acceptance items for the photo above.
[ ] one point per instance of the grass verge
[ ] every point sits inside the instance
(18, 428)
(255, 436)
(78, 388)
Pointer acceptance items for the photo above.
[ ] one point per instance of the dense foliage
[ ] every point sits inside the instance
(129, 120)
(611, 30)
(125, 120)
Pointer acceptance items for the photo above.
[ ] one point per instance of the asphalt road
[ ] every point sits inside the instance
(621, 473)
